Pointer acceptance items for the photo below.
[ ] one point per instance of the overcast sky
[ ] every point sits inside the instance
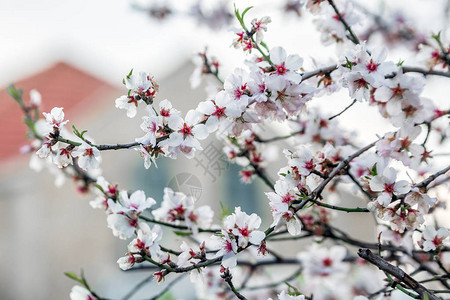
(108, 38)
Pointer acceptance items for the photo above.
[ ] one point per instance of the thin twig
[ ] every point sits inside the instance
(345, 109)
(352, 36)
(228, 279)
(168, 286)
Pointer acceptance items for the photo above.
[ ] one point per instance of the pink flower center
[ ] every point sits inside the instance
(132, 100)
(287, 198)
(409, 110)
(246, 173)
(435, 54)
(309, 165)
(177, 212)
(220, 112)
(193, 217)
(405, 143)
(327, 262)
(133, 222)
(165, 112)
(372, 67)
(323, 123)
(89, 152)
(186, 130)
(139, 244)
(244, 231)
(397, 91)
(437, 241)
(228, 246)
(361, 83)
(336, 17)
(389, 188)
(262, 88)
(65, 152)
(248, 45)
(281, 69)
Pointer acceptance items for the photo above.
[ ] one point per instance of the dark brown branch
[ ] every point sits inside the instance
(352, 37)
(227, 277)
(344, 110)
(384, 266)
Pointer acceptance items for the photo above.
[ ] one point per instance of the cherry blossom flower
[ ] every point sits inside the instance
(140, 84)
(219, 109)
(136, 202)
(81, 293)
(285, 193)
(129, 103)
(375, 66)
(401, 218)
(191, 256)
(187, 132)
(243, 227)
(46, 148)
(432, 239)
(35, 98)
(388, 186)
(174, 206)
(201, 217)
(56, 118)
(236, 86)
(228, 249)
(88, 156)
(147, 153)
(147, 240)
(258, 26)
(151, 125)
(122, 225)
(107, 190)
(402, 90)
(301, 161)
(129, 260)
(166, 111)
(358, 85)
(324, 262)
(63, 158)
(286, 66)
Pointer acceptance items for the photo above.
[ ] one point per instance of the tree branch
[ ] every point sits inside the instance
(384, 266)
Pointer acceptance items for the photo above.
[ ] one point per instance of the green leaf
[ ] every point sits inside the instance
(400, 63)
(373, 171)
(436, 37)
(75, 130)
(15, 92)
(236, 13)
(245, 11)
(72, 276)
(82, 133)
(348, 63)
(225, 210)
(265, 46)
(183, 233)
(129, 74)
(292, 290)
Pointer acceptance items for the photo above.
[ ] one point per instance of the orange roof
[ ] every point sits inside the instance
(60, 85)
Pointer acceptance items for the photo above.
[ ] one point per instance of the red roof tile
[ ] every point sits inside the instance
(60, 85)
